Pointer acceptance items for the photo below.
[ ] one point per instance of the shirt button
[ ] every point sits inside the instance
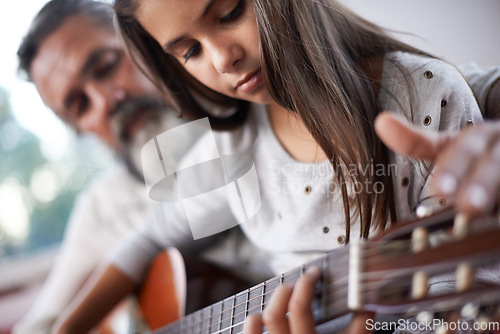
(308, 189)
(469, 123)
(443, 103)
(428, 74)
(326, 229)
(427, 120)
(405, 182)
(341, 239)
(442, 202)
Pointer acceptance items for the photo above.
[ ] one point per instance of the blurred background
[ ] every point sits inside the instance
(43, 165)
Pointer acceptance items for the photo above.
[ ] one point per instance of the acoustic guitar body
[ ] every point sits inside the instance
(178, 283)
(162, 298)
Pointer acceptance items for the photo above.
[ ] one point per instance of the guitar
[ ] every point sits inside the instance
(178, 281)
(387, 275)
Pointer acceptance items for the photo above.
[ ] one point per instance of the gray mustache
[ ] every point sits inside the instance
(127, 108)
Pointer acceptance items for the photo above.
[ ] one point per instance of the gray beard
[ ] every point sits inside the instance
(130, 152)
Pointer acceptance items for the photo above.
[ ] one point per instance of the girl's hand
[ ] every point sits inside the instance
(289, 310)
(467, 163)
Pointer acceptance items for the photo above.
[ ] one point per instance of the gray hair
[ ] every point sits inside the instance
(51, 17)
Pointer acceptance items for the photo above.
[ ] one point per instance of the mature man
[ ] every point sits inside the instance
(80, 69)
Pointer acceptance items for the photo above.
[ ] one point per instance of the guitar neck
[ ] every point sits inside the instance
(229, 315)
(377, 275)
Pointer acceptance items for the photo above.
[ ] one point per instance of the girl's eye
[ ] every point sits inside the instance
(232, 16)
(192, 51)
(235, 13)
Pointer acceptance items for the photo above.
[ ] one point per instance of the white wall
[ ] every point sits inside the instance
(458, 30)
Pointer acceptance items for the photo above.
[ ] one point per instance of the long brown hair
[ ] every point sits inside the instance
(311, 56)
(179, 87)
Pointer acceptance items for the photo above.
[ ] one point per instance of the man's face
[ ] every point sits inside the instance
(82, 73)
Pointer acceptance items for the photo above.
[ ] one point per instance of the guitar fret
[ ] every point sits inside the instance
(262, 296)
(210, 321)
(232, 314)
(292, 276)
(242, 316)
(246, 302)
(215, 317)
(254, 299)
(227, 310)
(239, 315)
(271, 285)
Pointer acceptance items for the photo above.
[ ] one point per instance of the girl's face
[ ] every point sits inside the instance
(216, 41)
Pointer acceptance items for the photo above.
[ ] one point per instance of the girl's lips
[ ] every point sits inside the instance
(249, 83)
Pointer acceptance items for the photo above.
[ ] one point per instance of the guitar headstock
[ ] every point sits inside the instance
(437, 263)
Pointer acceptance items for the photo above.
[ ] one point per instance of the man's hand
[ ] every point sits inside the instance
(467, 164)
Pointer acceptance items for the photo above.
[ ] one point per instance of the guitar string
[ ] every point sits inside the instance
(333, 308)
(253, 309)
(232, 324)
(368, 249)
(259, 298)
(332, 311)
(241, 322)
(267, 284)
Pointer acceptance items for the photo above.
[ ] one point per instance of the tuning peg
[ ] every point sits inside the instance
(420, 286)
(469, 311)
(425, 317)
(460, 226)
(464, 276)
(424, 211)
(441, 329)
(419, 239)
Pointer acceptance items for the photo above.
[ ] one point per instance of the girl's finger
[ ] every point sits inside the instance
(274, 316)
(301, 316)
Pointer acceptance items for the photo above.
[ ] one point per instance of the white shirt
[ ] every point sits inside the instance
(298, 219)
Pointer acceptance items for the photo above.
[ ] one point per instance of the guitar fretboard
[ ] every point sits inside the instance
(228, 316)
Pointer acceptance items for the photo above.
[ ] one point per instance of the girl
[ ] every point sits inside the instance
(307, 79)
